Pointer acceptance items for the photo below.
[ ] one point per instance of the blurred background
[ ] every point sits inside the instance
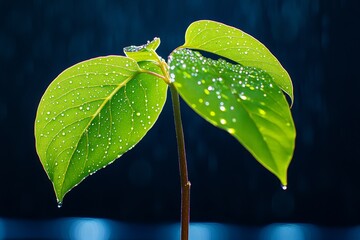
(317, 41)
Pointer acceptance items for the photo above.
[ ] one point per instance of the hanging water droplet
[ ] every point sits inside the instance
(59, 204)
(284, 187)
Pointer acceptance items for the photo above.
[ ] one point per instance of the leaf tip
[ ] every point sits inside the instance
(283, 181)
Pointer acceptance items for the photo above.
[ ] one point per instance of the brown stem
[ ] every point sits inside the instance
(184, 181)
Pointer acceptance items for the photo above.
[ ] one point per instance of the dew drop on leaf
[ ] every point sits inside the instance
(231, 130)
(222, 121)
(244, 101)
(77, 124)
(262, 112)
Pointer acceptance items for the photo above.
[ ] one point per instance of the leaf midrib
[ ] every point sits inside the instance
(257, 127)
(107, 99)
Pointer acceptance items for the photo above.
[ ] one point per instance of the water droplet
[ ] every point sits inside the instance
(261, 111)
(231, 130)
(222, 108)
(243, 97)
(59, 204)
(172, 77)
(223, 121)
(284, 187)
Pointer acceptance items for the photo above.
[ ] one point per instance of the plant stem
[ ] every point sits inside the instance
(184, 181)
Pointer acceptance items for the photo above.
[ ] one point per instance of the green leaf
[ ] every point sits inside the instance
(144, 52)
(234, 44)
(91, 114)
(242, 100)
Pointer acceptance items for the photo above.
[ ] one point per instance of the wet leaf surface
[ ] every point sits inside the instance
(244, 101)
(234, 44)
(144, 52)
(91, 114)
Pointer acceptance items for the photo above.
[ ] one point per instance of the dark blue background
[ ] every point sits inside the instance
(316, 40)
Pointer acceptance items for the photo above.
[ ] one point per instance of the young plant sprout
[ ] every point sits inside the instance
(98, 109)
